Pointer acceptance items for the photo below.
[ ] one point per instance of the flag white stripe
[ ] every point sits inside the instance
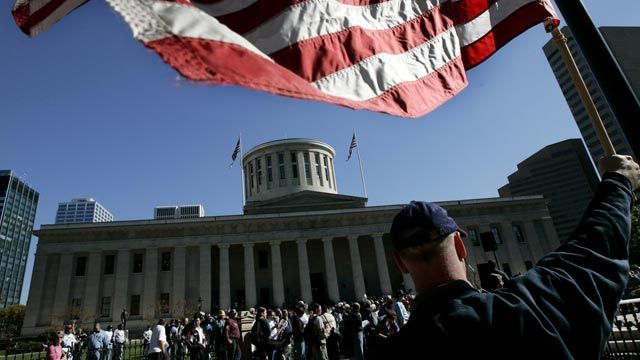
(476, 29)
(379, 73)
(315, 18)
(65, 8)
(35, 5)
(225, 7)
(189, 21)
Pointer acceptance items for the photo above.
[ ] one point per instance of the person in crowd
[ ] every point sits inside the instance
(388, 327)
(219, 325)
(119, 339)
(314, 335)
(563, 308)
(96, 342)
(357, 331)
(68, 342)
(232, 337)
(297, 328)
(260, 332)
(146, 338)
(54, 349)
(158, 343)
(402, 316)
(109, 334)
(493, 269)
(494, 282)
(124, 316)
(196, 341)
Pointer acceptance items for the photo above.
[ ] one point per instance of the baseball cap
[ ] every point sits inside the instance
(420, 222)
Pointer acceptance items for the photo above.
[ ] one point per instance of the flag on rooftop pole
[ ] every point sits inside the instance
(235, 153)
(352, 146)
(401, 57)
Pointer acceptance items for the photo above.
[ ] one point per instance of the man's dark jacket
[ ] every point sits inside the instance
(562, 308)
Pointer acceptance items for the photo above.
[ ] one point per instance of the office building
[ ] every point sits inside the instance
(623, 43)
(298, 239)
(564, 175)
(84, 210)
(18, 203)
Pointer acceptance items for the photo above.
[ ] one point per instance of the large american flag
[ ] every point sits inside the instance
(402, 57)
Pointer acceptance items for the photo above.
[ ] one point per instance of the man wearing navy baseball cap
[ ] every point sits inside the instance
(563, 308)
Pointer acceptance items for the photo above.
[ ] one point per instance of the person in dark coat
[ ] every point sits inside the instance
(563, 308)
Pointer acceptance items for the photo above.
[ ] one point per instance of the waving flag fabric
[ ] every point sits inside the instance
(235, 153)
(402, 57)
(352, 146)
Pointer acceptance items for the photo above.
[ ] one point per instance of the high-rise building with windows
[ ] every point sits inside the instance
(623, 43)
(563, 173)
(85, 210)
(18, 203)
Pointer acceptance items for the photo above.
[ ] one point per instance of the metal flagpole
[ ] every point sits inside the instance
(242, 171)
(619, 94)
(578, 81)
(364, 187)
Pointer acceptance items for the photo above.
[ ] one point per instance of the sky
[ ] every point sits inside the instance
(87, 111)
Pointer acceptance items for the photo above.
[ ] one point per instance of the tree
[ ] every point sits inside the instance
(11, 319)
(634, 244)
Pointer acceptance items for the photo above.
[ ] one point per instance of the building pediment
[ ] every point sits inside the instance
(305, 201)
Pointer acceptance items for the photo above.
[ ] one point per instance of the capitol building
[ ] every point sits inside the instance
(298, 239)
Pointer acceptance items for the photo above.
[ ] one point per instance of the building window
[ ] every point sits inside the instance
(259, 167)
(263, 261)
(105, 307)
(528, 264)
(81, 265)
(164, 303)
(473, 236)
(109, 264)
(281, 166)
(294, 165)
(496, 233)
(134, 306)
(307, 165)
(269, 168)
(326, 169)
(316, 157)
(165, 264)
(517, 229)
(251, 176)
(137, 262)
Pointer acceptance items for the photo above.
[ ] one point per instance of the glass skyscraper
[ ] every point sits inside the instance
(18, 203)
(82, 211)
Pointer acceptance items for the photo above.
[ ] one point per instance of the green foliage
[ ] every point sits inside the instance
(11, 319)
(634, 244)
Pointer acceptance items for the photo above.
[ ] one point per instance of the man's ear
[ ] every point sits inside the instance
(461, 250)
(400, 262)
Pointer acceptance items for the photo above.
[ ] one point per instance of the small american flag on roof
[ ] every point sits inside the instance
(352, 146)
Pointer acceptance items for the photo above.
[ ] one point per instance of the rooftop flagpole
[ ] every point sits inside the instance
(364, 187)
(242, 172)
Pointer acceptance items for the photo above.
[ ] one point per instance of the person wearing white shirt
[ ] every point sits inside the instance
(119, 338)
(158, 342)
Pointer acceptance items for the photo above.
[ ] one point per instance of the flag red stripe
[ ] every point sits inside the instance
(21, 17)
(514, 25)
(38, 16)
(196, 59)
(309, 59)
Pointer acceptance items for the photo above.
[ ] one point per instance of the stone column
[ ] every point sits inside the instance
(179, 270)
(333, 289)
(249, 276)
(121, 285)
(150, 294)
(356, 267)
(535, 243)
(383, 269)
(303, 270)
(225, 281)
(61, 300)
(92, 284)
(513, 248)
(276, 273)
(205, 277)
(34, 302)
